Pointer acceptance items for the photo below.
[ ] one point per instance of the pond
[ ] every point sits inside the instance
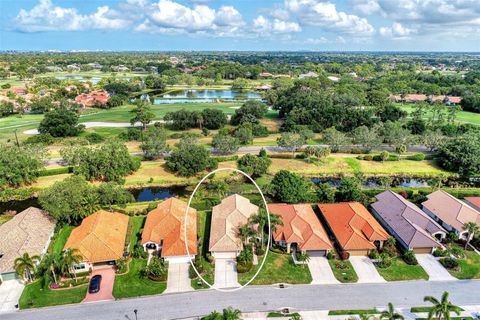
(399, 182)
(157, 193)
(79, 78)
(199, 96)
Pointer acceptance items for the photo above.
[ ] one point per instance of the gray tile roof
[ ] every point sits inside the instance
(413, 226)
(28, 231)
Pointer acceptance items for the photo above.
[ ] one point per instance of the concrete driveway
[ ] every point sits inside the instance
(365, 269)
(10, 292)
(106, 285)
(321, 271)
(178, 279)
(435, 271)
(226, 273)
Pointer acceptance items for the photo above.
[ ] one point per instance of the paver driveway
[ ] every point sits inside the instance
(178, 278)
(435, 271)
(365, 269)
(10, 292)
(321, 271)
(106, 285)
(226, 273)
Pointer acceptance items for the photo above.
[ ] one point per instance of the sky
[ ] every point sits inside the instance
(246, 25)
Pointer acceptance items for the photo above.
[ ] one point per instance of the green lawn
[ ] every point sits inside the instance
(343, 271)
(469, 267)
(462, 116)
(34, 296)
(399, 271)
(137, 223)
(203, 227)
(59, 242)
(4, 218)
(133, 285)
(352, 312)
(278, 268)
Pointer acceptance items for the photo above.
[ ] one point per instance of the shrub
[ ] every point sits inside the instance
(385, 260)
(417, 157)
(440, 252)
(156, 270)
(404, 194)
(344, 255)
(243, 267)
(94, 138)
(330, 255)
(374, 255)
(43, 139)
(449, 263)
(358, 151)
(132, 134)
(409, 258)
(457, 252)
(368, 157)
(360, 157)
(259, 251)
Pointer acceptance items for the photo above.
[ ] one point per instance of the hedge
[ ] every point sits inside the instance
(53, 172)
(225, 158)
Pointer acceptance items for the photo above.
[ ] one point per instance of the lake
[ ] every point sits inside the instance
(199, 96)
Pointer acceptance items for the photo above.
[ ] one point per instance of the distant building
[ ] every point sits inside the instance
(93, 98)
(333, 78)
(54, 69)
(73, 67)
(139, 69)
(265, 75)
(95, 65)
(414, 98)
(264, 87)
(308, 75)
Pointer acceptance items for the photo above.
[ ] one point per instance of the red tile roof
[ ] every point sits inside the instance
(354, 227)
(474, 201)
(300, 225)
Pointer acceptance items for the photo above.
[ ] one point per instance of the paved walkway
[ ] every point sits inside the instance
(100, 124)
(106, 286)
(178, 279)
(226, 273)
(435, 271)
(10, 292)
(365, 269)
(321, 271)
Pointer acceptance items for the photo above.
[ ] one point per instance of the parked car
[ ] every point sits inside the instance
(94, 286)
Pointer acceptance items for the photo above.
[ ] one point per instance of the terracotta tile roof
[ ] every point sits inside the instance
(28, 231)
(300, 225)
(413, 226)
(474, 202)
(451, 210)
(100, 237)
(166, 224)
(232, 213)
(354, 227)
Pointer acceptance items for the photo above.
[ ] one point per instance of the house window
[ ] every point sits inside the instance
(80, 266)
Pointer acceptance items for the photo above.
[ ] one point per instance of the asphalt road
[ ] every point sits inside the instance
(262, 298)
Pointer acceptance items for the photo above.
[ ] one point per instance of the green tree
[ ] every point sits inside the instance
(244, 135)
(25, 266)
(461, 154)
(255, 166)
(190, 158)
(213, 119)
(366, 137)
(472, 229)
(390, 314)
(154, 142)
(110, 193)
(224, 143)
(442, 308)
(19, 166)
(69, 258)
(291, 141)
(142, 113)
(349, 189)
(250, 112)
(303, 257)
(325, 193)
(334, 138)
(69, 200)
(290, 188)
(432, 139)
(60, 123)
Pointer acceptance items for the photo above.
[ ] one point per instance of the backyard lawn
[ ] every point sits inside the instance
(343, 271)
(278, 268)
(34, 296)
(203, 227)
(132, 284)
(399, 271)
(462, 116)
(61, 238)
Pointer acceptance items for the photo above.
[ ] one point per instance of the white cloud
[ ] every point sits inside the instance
(47, 17)
(397, 31)
(267, 26)
(325, 15)
(366, 7)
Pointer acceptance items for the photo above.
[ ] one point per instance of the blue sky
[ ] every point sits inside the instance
(405, 25)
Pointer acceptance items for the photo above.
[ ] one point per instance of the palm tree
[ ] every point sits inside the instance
(309, 151)
(231, 314)
(275, 220)
(260, 220)
(390, 314)
(69, 258)
(214, 315)
(245, 233)
(304, 257)
(52, 261)
(25, 265)
(441, 309)
(473, 229)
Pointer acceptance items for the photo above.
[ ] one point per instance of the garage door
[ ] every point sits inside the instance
(9, 276)
(422, 250)
(317, 253)
(225, 255)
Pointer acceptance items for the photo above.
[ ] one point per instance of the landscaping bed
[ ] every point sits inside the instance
(343, 271)
(468, 267)
(36, 296)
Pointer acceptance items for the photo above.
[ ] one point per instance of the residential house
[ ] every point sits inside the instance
(164, 231)
(264, 87)
(308, 75)
(265, 75)
(355, 229)
(301, 229)
(100, 239)
(91, 99)
(333, 78)
(412, 228)
(29, 232)
(474, 202)
(227, 219)
(450, 212)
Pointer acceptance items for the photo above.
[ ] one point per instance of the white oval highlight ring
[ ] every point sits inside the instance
(185, 230)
